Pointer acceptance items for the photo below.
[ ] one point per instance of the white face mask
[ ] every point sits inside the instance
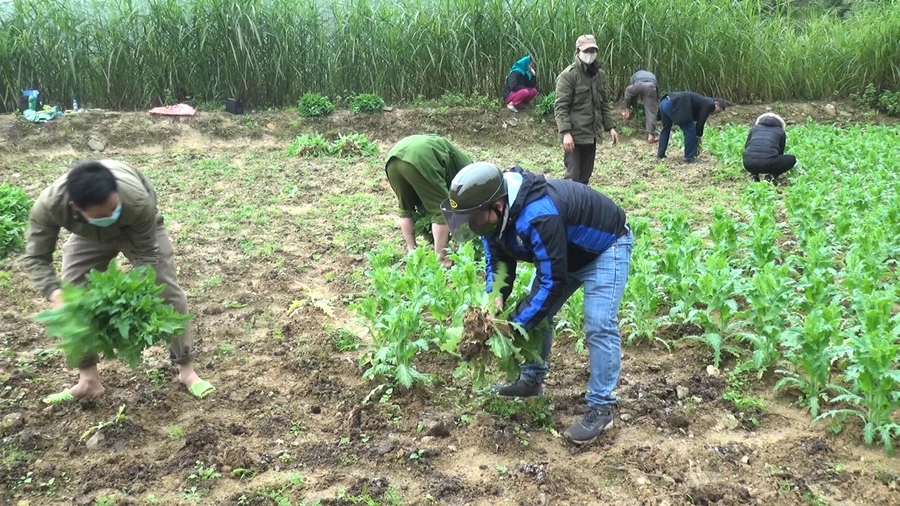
(587, 58)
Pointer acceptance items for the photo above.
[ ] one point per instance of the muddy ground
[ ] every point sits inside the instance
(258, 233)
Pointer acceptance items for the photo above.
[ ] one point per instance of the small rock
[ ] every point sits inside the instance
(745, 459)
(678, 421)
(315, 409)
(387, 109)
(437, 429)
(482, 419)
(641, 481)
(385, 447)
(96, 145)
(11, 423)
(712, 370)
(730, 422)
(542, 499)
(452, 448)
(271, 126)
(625, 417)
(831, 109)
(427, 439)
(95, 441)
(681, 391)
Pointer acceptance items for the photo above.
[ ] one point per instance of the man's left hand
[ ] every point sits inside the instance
(614, 136)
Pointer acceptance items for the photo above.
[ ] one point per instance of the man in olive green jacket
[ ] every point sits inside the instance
(109, 207)
(583, 110)
(419, 169)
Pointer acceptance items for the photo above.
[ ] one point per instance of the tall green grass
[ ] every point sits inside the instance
(127, 54)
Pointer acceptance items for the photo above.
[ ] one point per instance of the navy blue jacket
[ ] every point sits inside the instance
(558, 225)
(688, 107)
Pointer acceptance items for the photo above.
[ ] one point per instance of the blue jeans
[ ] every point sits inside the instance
(603, 281)
(691, 144)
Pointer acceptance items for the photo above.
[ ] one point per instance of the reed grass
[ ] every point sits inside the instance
(129, 54)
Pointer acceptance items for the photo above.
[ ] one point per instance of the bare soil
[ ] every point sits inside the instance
(257, 233)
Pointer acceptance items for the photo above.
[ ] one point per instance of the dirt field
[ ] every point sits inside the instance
(256, 232)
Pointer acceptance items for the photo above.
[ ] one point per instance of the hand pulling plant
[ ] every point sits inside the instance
(480, 339)
(118, 314)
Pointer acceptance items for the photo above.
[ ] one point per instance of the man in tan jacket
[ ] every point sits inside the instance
(109, 207)
(583, 110)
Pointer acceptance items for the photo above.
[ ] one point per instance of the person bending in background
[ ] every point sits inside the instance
(521, 84)
(764, 149)
(643, 86)
(689, 111)
(419, 169)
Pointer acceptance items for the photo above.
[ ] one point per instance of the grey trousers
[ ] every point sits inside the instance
(648, 94)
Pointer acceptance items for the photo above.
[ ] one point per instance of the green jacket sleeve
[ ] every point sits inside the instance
(40, 243)
(606, 109)
(565, 88)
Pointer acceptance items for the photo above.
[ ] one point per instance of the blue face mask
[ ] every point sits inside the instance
(109, 220)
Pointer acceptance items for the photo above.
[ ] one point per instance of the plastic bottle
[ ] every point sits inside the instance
(74, 105)
(32, 101)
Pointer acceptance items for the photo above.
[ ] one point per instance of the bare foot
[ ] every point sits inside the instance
(85, 389)
(188, 376)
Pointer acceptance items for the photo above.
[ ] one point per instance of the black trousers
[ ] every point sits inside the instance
(774, 167)
(580, 162)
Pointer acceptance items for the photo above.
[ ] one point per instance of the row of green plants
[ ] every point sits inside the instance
(345, 146)
(798, 285)
(313, 105)
(125, 55)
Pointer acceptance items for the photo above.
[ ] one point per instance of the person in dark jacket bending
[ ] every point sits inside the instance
(644, 86)
(521, 84)
(764, 149)
(689, 111)
(576, 237)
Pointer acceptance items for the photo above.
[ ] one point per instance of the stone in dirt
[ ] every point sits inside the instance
(437, 429)
(681, 391)
(96, 145)
(831, 109)
(95, 441)
(11, 423)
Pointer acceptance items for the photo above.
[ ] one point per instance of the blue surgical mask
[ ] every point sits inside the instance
(109, 220)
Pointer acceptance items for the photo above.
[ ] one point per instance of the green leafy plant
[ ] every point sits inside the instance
(809, 348)
(873, 371)
(310, 146)
(769, 295)
(203, 472)
(14, 208)
(313, 105)
(354, 145)
(366, 102)
(545, 105)
(118, 314)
